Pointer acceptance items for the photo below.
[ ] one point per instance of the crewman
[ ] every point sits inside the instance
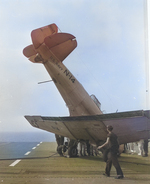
(112, 151)
(81, 148)
(141, 147)
(145, 148)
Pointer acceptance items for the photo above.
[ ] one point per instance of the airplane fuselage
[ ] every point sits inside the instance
(77, 99)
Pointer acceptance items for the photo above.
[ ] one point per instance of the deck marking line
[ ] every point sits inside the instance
(14, 163)
(27, 153)
(33, 147)
(38, 144)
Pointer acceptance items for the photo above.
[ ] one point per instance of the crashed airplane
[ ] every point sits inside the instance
(86, 121)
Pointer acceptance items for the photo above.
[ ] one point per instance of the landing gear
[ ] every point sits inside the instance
(72, 148)
(68, 148)
(60, 143)
(72, 151)
(59, 150)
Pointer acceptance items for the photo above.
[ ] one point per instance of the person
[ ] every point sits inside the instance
(88, 148)
(145, 147)
(81, 148)
(111, 153)
(141, 147)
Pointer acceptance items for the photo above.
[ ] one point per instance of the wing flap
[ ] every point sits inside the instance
(129, 126)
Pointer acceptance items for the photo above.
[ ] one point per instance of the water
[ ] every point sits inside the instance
(15, 150)
(27, 137)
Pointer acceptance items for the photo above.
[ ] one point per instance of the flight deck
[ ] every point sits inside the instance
(39, 163)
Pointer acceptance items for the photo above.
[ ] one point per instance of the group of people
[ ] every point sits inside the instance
(140, 147)
(110, 151)
(85, 148)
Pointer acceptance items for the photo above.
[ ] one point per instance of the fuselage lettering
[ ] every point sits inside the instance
(66, 72)
(69, 75)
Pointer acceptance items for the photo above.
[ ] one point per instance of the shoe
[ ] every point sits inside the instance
(146, 155)
(119, 177)
(107, 175)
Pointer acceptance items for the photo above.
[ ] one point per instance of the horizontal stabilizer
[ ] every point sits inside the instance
(61, 44)
(57, 39)
(29, 51)
(32, 54)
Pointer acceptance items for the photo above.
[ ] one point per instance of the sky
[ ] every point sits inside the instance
(109, 61)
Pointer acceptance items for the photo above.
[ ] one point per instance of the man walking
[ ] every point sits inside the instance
(113, 146)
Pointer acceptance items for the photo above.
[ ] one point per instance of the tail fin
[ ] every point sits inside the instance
(38, 35)
(60, 44)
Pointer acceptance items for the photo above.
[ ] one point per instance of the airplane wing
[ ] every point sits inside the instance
(129, 126)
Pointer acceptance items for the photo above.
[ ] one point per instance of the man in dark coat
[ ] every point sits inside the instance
(112, 151)
(145, 148)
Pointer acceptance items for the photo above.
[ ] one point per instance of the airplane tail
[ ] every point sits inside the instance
(60, 44)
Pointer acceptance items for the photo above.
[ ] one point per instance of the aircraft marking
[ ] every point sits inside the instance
(14, 163)
(69, 75)
(56, 62)
(55, 128)
(27, 153)
(59, 66)
(65, 71)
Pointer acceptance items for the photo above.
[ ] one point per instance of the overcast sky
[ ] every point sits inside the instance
(109, 60)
